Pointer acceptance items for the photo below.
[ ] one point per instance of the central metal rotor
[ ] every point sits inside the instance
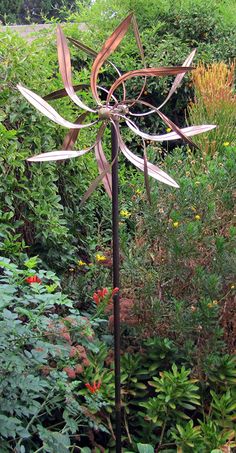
(115, 112)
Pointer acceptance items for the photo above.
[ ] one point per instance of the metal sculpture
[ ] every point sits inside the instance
(113, 111)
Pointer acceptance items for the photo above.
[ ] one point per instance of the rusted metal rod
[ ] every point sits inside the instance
(116, 283)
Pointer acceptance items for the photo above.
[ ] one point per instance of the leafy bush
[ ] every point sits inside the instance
(45, 343)
(179, 267)
(28, 11)
(69, 377)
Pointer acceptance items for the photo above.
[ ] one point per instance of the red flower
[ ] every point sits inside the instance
(33, 279)
(96, 298)
(115, 290)
(94, 387)
(99, 295)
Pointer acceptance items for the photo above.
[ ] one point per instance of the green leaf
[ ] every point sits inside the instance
(31, 263)
(145, 448)
(54, 442)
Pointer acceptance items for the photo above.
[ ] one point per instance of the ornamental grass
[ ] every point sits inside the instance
(214, 102)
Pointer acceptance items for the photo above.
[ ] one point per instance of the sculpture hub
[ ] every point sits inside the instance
(114, 112)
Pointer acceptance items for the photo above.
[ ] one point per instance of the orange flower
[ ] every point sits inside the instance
(94, 387)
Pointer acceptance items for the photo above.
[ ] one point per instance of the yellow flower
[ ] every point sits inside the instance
(81, 263)
(100, 257)
(168, 129)
(197, 217)
(232, 286)
(226, 144)
(175, 224)
(138, 192)
(124, 213)
(213, 304)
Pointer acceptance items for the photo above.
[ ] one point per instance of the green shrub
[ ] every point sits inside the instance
(28, 11)
(179, 267)
(41, 200)
(45, 345)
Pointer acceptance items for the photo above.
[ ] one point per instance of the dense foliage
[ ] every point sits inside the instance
(33, 11)
(177, 254)
(67, 394)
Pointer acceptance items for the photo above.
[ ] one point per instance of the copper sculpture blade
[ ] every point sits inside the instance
(148, 72)
(65, 69)
(110, 45)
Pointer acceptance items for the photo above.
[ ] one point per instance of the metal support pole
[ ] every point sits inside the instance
(116, 283)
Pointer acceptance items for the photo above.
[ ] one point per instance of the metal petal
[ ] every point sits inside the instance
(176, 129)
(138, 39)
(149, 72)
(67, 154)
(146, 180)
(83, 47)
(49, 111)
(72, 135)
(94, 54)
(110, 45)
(94, 185)
(179, 78)
(58, 94)
(175, 85)
(65, 69)
(102, 166)
(57, 155)
(99, 178)
(149, 112)
(169, 124)
(152, 169)
(187, 131)
(141, 51)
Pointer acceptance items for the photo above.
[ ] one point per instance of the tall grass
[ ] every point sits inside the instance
(214, 103)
